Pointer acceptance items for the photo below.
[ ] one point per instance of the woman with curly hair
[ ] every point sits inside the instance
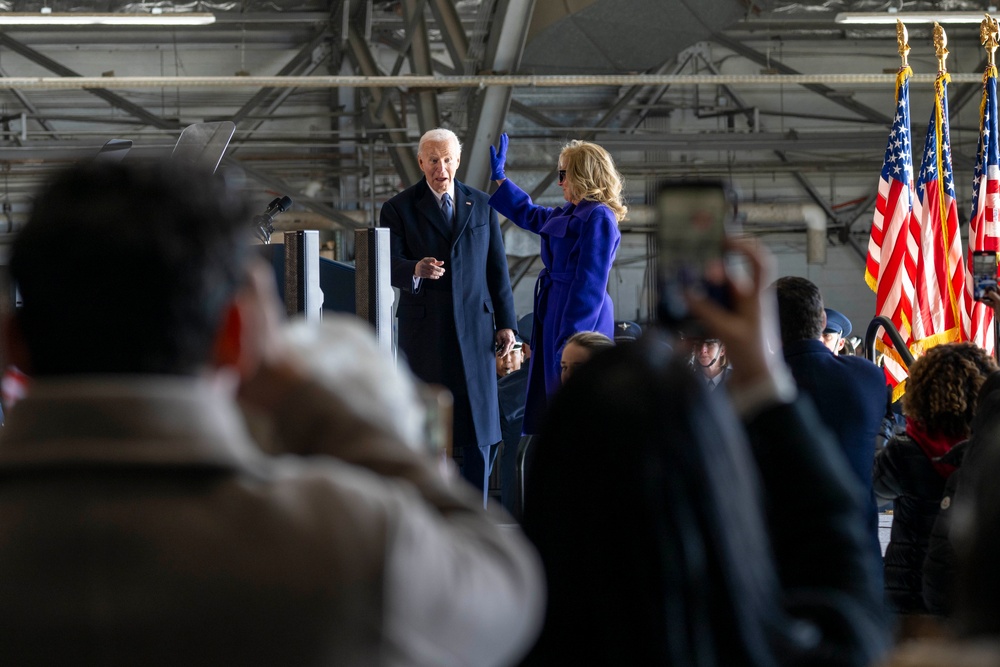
(941, 396)
(579, 242)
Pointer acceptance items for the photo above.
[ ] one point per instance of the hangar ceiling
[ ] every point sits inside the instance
(343, 140)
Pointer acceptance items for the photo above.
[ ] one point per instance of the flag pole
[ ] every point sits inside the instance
(890, 265)
(989, 32)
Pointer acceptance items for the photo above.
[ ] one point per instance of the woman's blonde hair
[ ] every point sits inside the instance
(591, 174)
(591, 341)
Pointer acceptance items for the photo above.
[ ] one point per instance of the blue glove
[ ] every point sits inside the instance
(498, 156)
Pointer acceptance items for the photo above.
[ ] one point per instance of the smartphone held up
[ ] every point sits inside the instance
(693, 219)
(984, 269)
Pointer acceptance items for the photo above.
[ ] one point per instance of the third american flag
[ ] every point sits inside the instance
(983, 220)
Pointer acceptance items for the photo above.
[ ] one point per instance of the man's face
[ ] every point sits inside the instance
(708, 356)
(439, 161)
(509, 363)
(834, 341)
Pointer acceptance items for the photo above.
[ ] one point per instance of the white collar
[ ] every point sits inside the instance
(451, 193)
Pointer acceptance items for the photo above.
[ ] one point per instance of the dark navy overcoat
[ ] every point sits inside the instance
(447, 326)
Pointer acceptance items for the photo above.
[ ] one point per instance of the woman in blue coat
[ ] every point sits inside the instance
(579, 242)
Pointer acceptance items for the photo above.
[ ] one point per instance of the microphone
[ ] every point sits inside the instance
(265, 226)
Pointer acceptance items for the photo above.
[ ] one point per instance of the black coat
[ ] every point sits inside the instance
(447, 326)
(940, 562)
(905, 475)
(850, 396)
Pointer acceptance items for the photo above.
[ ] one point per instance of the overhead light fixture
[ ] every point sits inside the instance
(73, 18)
(874, 18)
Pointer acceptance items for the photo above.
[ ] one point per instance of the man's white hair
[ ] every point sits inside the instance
(439, 135)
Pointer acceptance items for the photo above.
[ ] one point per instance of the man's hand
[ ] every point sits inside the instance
(992, 299)
(504, 341)
(429, 267)
(498, 158)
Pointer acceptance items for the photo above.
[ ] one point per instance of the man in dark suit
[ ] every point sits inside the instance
(456, 309)
(849, 392)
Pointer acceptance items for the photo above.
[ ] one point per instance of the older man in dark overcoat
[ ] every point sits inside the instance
(456, 309)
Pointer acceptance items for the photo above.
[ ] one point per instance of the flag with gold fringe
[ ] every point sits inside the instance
(890, 266)
(938, 307)
(983, 226)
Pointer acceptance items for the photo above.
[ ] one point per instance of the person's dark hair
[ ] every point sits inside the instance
(127, 268)
(644, 506)
(942, 391)
(800, 309)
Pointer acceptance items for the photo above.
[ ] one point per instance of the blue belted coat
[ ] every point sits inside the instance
(579, 243)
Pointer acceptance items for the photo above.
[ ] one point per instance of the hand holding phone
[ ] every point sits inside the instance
(984, 270)
(694, 219)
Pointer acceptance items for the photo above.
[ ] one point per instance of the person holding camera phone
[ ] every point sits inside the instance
(579, 242)
(725, 533)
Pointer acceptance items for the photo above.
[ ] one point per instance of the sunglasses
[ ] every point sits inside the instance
(562, 175)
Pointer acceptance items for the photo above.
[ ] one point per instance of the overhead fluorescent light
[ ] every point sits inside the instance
(871, 18)
(73, 18)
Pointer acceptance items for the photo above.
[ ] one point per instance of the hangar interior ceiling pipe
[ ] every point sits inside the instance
(423, 82)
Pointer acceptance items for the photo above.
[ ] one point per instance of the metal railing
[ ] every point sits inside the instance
(871, 336)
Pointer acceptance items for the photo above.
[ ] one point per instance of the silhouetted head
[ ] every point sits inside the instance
(643, 502)
(128, 268)
(800, 309)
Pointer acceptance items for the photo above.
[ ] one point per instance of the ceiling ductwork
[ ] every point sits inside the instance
(589, 36)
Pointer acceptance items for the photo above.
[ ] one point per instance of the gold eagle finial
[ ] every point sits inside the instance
(903, 39)
(940, 47)
(988, 30)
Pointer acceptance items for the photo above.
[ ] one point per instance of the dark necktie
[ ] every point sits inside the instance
(446, 207)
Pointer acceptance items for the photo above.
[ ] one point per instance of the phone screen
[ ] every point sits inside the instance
(692, 223)
(984, 268)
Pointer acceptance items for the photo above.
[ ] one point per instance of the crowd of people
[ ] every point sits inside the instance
(190, 479)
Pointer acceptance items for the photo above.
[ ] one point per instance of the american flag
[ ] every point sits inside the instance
(983, 221)
(891, 265)
(938, 306)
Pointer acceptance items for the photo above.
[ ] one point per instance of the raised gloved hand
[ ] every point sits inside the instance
(498, 156)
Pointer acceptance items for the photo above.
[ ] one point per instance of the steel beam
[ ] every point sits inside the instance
(403, 158)
(662, 90)
(746, 141)
(623, 101)
(535, 116)
(964, 92)
(106, 95)
(811, 191)
(452, 33)
(825, 91)
(503, 54)
(297, 64)
(420, 63)
(27, 104)
(309, 203)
